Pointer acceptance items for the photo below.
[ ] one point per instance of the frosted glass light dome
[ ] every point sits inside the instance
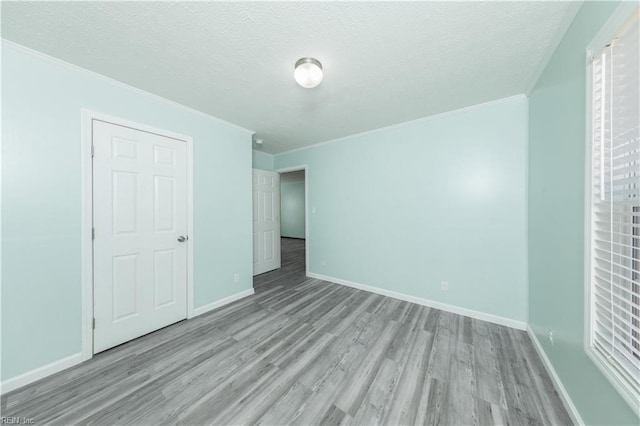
(308, 72)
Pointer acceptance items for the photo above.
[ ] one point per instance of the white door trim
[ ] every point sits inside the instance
(306, 208)
(86, 240)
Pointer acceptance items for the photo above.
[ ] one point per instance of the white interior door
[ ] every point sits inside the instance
(266, 221)
(140, 219)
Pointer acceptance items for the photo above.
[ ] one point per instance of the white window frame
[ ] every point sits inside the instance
(609, 30)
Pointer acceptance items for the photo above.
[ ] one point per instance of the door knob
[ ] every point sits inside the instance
(182, 238)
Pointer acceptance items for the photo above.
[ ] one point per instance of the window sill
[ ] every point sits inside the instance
(617, 380)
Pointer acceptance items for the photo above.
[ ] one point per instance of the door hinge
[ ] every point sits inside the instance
(94, 323)
(93, 233)
(93, 150)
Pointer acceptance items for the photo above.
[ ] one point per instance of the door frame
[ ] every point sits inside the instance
(86, 228)
(304, 167)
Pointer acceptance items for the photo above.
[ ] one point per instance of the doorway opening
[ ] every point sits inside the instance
(293, 225)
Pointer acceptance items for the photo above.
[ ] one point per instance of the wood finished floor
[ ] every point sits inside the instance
(306, 352)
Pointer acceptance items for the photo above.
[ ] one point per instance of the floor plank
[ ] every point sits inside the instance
(305, 352)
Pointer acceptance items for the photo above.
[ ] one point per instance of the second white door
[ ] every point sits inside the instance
(140, 221)
(266, 221)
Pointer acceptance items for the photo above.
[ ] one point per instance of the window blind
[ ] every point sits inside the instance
(615, 205)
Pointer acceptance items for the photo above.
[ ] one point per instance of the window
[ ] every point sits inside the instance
(614, 327)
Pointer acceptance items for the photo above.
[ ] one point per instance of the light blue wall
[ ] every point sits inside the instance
(41, 201)
(292, 209)
(262, 160)
(556, 220)
(443, 198)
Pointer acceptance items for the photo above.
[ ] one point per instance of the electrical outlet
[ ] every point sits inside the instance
(236, 278)
(551, 336)
(313, 210)
(324, 262)
(444, 285)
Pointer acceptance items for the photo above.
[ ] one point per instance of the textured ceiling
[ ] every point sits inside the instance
(384, 63)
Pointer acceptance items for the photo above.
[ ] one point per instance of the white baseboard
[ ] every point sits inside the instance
(39, 373)
(520, 325)
(64, 363)
(218, 303)
(564, 395)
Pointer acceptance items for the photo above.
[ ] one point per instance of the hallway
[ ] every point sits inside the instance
(292, 271)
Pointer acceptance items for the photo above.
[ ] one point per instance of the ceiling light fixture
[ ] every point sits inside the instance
(259, 141)
(308, 72)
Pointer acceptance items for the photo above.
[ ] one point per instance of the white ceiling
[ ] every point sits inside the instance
(384, 63)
